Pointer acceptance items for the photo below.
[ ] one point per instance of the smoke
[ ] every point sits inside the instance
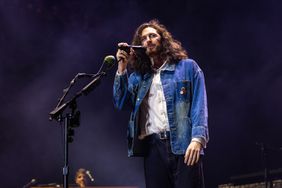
(44, 44)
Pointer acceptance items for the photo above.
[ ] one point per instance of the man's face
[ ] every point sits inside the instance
(80, 180)
(151, 39)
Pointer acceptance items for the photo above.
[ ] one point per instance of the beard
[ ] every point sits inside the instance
(153, 51)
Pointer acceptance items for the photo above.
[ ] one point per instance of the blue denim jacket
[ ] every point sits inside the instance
(185, 93)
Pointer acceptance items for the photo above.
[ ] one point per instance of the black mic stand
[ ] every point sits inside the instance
(71, 119)
(264, 153)
(264, 157)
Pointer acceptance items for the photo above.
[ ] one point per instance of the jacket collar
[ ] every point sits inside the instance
(167, 67)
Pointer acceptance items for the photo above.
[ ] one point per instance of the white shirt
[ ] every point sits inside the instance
(153, 110)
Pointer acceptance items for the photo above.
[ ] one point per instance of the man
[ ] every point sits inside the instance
(81, 178)
(167, 96)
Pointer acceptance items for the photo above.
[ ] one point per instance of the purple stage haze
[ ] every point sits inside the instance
(45, 43)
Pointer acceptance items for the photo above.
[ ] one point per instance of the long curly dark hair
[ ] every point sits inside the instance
(171, 49)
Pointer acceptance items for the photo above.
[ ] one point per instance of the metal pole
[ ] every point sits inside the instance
(66, 167)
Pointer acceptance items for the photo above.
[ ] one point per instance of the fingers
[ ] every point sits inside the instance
(122, 58)
(121, 54)
(192, 154)
(192, 157)
(122, 44)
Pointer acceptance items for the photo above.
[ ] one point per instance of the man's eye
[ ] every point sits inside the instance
(152, 35)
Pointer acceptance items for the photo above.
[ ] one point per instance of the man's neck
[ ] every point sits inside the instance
(157, 61)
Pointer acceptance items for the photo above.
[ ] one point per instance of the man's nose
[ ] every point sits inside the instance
(148, 41)
(148, 38)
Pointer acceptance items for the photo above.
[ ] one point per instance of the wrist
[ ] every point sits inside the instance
(121, 67)
(120, 73)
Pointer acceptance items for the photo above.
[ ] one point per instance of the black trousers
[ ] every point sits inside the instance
(163, 169)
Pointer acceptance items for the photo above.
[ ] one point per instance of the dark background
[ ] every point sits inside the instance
(45, 43)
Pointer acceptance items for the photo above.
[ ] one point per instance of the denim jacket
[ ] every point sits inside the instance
(185, 94)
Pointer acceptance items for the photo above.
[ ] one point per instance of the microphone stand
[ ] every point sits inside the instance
(264, 155)
(72, 119)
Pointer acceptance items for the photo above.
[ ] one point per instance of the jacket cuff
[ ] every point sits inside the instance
(201, 141)
(122, 73)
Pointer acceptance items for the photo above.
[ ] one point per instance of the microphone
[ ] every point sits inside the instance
(109, 60)
(32, 181)
(108, 63)
(134, 47)
(89, 175)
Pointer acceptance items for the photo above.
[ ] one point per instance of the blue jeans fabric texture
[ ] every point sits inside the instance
(185, 94)
(163, 169)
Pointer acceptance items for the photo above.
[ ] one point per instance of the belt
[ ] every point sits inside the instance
(164, 135)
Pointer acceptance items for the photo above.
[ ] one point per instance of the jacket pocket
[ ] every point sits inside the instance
(183, 91)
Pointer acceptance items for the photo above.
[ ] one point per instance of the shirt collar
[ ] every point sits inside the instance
(165, 66)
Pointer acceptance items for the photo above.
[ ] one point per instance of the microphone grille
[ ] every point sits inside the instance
(33, 181)
(109, 60)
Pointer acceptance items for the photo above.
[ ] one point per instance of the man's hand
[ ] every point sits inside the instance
(122, 58)
(192, 154)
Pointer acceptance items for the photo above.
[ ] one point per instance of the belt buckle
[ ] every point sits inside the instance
(163, 135)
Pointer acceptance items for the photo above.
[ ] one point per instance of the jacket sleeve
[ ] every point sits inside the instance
(199, 109)
(124, 91)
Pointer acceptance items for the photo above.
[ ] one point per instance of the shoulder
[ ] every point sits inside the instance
(188, 61)
(189, 64)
